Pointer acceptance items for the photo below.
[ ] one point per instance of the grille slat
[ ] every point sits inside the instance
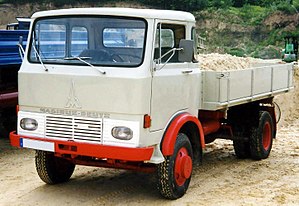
(90, 139)
(59, 125)
(82, 129)
(59, 128)
(87, 132)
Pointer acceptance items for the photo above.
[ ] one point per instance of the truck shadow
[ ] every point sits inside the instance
(99, 186)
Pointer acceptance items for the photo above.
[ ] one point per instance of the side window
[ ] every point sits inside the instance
(168, 36)
(79, 41)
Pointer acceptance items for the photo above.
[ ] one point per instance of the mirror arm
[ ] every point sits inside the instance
(21, 49)
(160, 58)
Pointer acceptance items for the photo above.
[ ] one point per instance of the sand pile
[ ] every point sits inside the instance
(226, 62)
(288, 103)
(222, 62)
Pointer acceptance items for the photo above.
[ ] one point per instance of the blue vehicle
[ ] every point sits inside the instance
(9, 40)
(10, 61)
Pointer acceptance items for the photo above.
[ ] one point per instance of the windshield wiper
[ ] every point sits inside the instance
(81, 59)
(39, 58)
(37, 54)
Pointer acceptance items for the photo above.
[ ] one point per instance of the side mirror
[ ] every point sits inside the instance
(187, 50)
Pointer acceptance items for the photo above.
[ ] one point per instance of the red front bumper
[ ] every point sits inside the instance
(90, 150)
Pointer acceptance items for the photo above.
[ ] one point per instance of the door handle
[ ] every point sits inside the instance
(187, 71)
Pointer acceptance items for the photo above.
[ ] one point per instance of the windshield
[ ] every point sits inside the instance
(104, 41)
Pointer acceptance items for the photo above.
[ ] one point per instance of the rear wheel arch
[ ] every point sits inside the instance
(192, 132)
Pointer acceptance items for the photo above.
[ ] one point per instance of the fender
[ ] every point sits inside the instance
(173, 129)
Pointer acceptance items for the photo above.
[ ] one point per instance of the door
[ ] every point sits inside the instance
(171, 79)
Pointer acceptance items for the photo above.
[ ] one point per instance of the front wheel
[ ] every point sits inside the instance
(52, 169)
(174, 174)
(262, 137)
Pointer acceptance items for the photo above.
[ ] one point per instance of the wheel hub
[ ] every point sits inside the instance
(267, 136)
(183, 166)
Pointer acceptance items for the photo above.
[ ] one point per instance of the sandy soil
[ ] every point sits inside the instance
(222, 179)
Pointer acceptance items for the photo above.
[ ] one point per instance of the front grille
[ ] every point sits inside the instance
(76, 128)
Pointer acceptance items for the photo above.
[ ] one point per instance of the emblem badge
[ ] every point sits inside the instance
(72, 100)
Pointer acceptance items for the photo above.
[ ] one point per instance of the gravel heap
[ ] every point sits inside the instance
(226, 62)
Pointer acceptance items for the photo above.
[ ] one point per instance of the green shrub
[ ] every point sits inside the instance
(286, 8)
(237, 52)
(267, 52)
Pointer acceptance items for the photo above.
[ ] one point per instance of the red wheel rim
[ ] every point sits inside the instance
(267, 136)
(183, 166)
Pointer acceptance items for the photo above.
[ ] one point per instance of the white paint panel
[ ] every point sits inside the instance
(239, 84)
(280, 77)
(130, 12)
(262, 80)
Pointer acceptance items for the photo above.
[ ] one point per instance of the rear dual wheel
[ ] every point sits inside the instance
(242, 149)
(259, 144)
(262, 137)
(174, 174)
(241, 143)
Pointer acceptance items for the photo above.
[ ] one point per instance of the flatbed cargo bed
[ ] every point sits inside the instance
(229, 88)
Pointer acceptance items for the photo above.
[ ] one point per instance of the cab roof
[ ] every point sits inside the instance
(127, 12)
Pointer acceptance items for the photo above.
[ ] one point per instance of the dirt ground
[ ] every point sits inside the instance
(222, 179)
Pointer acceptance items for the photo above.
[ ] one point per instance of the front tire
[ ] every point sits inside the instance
(262, 137)
(52, 169)
(174, 174)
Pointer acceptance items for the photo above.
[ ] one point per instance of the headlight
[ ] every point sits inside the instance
(122, 133)
(28, 124)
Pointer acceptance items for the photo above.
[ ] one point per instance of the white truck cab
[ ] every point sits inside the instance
(119, 87)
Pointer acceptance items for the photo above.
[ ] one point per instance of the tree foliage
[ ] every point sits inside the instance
(186, 5)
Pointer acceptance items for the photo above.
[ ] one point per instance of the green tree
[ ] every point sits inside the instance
(220, 3)
(239, 3)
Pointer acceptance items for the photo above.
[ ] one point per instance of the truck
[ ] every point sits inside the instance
(10, 62)
(136, 99)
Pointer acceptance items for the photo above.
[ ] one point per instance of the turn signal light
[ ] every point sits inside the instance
(147, 121)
